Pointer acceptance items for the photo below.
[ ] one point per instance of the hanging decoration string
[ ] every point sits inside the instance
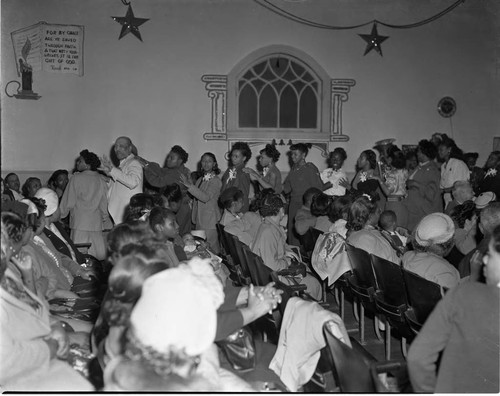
(288, 15)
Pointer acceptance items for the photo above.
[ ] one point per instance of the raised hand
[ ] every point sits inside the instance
(252, 173)
(106, 164)
(186, 181)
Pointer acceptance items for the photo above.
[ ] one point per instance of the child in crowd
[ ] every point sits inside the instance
(334, 173)
(304, 219)
(234, 176)
(388, 224)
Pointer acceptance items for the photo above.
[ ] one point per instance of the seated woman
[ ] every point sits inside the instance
(172, 348)
(319, 208)
(58, 181)
(433, 239)
(270, 243)
(243, 225)
(136, 264)
(54, 232)
(164, 225)
(362, 222)
(141, 204)
(31, 186)
(338, 213)
(34, 346)
(6, 194)
(44, 273)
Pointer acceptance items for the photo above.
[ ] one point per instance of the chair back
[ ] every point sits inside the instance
(362, 266)
(350, 367)
(239, 248)
(259, 272)
(390, 281)
(222, 238)
(423, 295)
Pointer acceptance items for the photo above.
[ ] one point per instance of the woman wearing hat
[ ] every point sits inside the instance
(433, 239)
(173, 349)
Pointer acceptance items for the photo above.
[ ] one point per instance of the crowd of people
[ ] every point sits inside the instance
(112, 277)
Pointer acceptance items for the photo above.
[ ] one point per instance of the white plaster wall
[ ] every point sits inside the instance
(152, 92)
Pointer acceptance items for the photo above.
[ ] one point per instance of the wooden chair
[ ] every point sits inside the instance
(391, 300)
(232, 259)
(363, 285)
(423, 295)
(355, 370)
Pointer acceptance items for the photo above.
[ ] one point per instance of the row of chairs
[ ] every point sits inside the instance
(403, 298)
(334, 372)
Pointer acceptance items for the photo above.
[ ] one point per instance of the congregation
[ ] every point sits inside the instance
(117, 276)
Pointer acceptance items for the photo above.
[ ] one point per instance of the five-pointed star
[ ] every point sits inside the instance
(373, 40)
(130, 24)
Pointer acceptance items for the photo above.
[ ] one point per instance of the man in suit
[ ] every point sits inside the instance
(126, 180)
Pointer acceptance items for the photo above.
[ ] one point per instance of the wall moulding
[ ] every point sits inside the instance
(224, 126)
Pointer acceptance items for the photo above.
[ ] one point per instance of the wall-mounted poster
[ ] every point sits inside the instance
(49, 47)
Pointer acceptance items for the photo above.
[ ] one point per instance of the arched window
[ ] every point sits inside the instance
(277, 92)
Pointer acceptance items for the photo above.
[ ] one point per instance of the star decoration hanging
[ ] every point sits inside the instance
(130, 24)
(373, 40)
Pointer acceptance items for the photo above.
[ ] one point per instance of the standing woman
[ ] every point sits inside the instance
(171, 172)
(271, 175)
(85, 198)
(334, 173)
(302, 176)
(234, 176)
(363, 182)
(206, 191)
(424, 195)
(393, 184)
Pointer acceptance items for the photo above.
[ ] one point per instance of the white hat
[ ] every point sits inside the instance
(178, 308)
(51, 199)
(484, 199)
(434, 229)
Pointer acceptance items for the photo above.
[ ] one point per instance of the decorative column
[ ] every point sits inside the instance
(339, 93)
(216, 85)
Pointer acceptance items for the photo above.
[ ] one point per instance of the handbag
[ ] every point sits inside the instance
(239, 349)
